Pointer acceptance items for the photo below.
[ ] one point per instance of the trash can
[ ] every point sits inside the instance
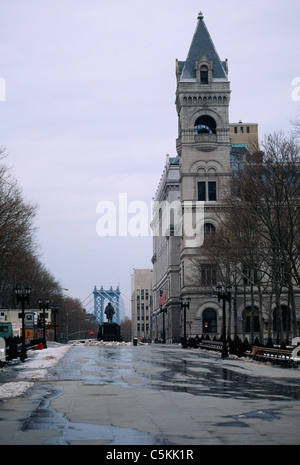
(135, 341)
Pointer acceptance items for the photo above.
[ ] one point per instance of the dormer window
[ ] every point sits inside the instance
(204, 74)
(204, 70)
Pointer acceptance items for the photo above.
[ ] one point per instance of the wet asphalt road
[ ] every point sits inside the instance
(155, 395)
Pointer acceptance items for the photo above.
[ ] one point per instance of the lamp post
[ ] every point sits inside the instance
(185, 304)
(23, 296)
(163, 311)
(54, 313)
(225, 296)
(44, 306)
(156, 326)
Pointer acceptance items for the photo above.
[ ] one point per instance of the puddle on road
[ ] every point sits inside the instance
(264, 415)
(175, 372)
(211, 379)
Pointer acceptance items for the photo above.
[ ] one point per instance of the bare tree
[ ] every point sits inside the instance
(126, 329)
(296, 125)
(73, 321)
(268, 187)
(17, 239)
(257, 242)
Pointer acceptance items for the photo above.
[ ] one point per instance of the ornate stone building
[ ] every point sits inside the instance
(209, 148)
(202, 167)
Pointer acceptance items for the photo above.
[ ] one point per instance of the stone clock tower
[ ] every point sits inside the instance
(203, 147)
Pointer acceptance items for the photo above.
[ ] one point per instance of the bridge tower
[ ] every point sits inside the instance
(101, 299)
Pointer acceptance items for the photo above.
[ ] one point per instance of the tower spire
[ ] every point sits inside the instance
(202, 44)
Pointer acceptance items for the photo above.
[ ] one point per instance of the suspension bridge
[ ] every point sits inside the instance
(97, 300)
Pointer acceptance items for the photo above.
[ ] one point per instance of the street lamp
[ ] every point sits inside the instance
(185, 304)
(44, 306)
(54, 313)
(163, 311)
(23, 296)
(224, 296)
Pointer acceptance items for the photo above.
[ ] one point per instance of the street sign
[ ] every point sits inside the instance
(29, 320)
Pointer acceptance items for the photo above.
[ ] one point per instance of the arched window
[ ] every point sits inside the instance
(205, 125)
(209, 321)
(204, 74)
(209, 229)
(160, 222)
(209, 232)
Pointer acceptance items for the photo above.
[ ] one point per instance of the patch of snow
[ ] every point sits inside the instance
(94, 342)
(14, 389)
(38, 361)
(33, 369)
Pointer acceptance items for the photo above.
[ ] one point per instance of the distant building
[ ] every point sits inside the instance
(141, 303)
(244, 133)
(33, 322)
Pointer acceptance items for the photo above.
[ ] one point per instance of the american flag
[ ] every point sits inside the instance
(162, 297)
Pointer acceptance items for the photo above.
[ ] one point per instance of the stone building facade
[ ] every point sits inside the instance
(166, 256)
(208, 148)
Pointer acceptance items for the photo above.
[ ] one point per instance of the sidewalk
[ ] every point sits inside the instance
(152, 395)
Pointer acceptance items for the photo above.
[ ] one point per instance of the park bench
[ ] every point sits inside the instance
(211, 345)
(282, 357)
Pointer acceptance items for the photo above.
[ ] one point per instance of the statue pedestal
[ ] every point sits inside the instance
(109, 332)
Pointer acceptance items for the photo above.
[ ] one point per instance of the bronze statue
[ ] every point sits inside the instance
(109, 312)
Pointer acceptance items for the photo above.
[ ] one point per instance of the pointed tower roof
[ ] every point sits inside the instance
(202, 44)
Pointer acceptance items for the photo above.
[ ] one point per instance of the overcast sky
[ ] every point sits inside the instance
(89, 109)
